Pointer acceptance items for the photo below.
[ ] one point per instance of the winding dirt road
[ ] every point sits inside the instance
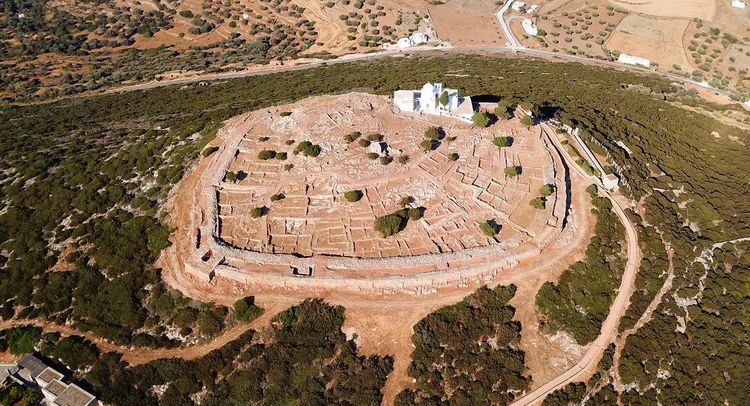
(617, 309)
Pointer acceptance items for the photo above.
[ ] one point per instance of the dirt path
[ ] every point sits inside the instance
(609, 328)
(645, 318)
(138, 355)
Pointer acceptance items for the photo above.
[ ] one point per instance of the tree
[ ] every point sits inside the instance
(416, 213)
(246, 310)
(490, 228)
(266, 154)
(513, 170)
(353, 196)
(231, 176)
(23, 339)
(351, 137)
(406, 201)
(433, 133)
(547, 189)
(392, 224)
(257, 212)
(480, 119)
(538, 202)
(444, 98)
(429, 145)
(453, 156)
(277, 196)
(503, 109)
(527, 120)
(504, 141)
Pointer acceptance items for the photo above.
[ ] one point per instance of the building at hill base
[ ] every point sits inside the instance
(634, 60)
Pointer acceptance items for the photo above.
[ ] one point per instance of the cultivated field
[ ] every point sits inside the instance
(655, 39)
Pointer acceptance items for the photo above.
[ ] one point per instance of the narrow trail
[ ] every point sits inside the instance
(645, 318)
(140, 355)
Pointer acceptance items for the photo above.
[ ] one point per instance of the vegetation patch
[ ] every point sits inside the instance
(468, 353)
(579, 302)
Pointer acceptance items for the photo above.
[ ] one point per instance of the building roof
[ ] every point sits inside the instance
(34, 365)
(49, 375)
(465, 108)
(56, 387)
(74, 396)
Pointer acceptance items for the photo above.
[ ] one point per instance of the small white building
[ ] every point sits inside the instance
(633, 60)
(419, 38)
(428, 100)
(529, 26)
(518, 5)
(532, 9)
(738, 3)
(610, 181)
(404, 42)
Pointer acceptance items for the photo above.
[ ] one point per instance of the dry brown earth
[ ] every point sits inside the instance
(383, 323)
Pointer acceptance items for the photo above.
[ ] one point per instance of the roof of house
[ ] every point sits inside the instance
(49, 375)
(466, 107)
(56, 387)
(34, 365)
(74, 396)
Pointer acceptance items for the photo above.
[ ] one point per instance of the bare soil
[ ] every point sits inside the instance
(658, 40)
(383, 323)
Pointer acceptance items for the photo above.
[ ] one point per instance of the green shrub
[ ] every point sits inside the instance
(546, 190)
(257, 212)
(231, 176)
(480, 119)
(433, 133)
(416, 213)
(289, 142)
(208, 151)
(277, 196)
(23, 339)
(353, 196)
(489, 228)
(429, 145)
(504, 141)
(264, 138)
(513, 170)
(453, 156)
(503, 109)
(527, 120)
(375, 137)
(307, 148)
(285, 113)
(402, 159)
(444, 98)
(372, 156)
(186, 13)
(392, 224)
(351, 137)
(266, 154)
(538, 202)
(385, 160)
(592, 190)
(363, 142)
(245, 310)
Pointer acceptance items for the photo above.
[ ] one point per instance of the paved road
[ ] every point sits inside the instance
(500, 15)
(620, 304)
(413, 51)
